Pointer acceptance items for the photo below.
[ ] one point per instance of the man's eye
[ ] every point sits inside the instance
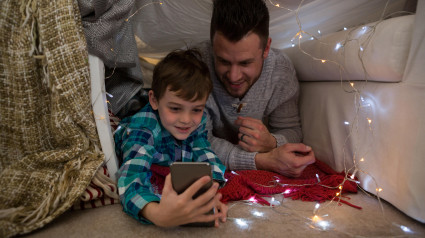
(223, 62)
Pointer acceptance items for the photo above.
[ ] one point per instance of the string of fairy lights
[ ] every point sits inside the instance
(360, 102)
(357, 94)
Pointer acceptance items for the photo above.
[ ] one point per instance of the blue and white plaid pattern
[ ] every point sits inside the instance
(141, 141)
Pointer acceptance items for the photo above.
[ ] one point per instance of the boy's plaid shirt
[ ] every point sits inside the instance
(141, 141)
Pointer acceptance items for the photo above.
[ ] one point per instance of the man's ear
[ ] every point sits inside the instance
(152, 100)
(267, 49)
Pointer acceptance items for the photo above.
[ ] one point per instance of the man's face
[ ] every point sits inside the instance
(238, 65)
(178, 116)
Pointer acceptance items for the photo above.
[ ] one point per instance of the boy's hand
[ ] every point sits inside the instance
(175, 210)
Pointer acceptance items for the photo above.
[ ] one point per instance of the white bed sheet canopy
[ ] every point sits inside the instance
(162, 26)
(179, 23)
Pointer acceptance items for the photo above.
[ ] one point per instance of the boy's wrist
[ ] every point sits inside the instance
(148, 211)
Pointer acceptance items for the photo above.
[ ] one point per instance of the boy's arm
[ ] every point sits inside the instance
(134, 185)
(202, 152)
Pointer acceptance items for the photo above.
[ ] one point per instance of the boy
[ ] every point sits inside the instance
(171, 127)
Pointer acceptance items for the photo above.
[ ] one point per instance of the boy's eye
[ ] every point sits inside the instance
(197, 110)
(174, 109)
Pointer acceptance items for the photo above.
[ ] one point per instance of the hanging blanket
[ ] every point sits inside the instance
(49, 147)
(318, 182)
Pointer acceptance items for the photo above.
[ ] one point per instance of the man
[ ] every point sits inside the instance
(253, 111)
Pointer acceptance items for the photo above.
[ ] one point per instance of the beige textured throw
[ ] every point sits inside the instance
(48, 140)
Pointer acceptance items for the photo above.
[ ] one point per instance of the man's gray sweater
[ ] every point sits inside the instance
(273, 99)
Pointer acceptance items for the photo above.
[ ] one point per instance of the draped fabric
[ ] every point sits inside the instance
(49, 148)
(176, 24)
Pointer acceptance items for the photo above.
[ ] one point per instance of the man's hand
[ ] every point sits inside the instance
(254, 136)
(289, 160)
(178, 209)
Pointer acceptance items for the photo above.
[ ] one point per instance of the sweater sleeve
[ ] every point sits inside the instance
(233, 156)
(203, 153)
(134, 186)
(284, 121)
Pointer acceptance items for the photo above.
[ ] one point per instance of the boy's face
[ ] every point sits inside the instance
(178, 116)
(238, 65)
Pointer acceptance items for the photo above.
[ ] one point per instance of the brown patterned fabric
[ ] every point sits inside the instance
(49, 148)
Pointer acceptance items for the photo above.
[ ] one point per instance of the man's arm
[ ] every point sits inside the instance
(289, 160)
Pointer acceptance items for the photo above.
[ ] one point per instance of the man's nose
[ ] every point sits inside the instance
(234, 73)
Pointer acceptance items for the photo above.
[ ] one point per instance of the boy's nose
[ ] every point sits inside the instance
(185, 118)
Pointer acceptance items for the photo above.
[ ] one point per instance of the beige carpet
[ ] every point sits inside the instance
(287, 219)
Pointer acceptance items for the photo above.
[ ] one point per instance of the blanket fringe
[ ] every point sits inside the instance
(10, 212)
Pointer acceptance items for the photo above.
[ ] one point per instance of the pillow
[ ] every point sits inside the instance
(376, 52)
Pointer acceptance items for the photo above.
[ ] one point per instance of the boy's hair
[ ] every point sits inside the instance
(236, 18)
(184, 73)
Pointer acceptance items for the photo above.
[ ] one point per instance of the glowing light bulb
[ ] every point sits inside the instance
(338, 46)
(346, 123)
(252, 199)
(293, 45)
(287, 191)
(318, 31)
(369, 121)
(241, 223)
(406, 229)
(323, 61)
(277, 5)
(352, 84)
(323, 224)
(345, 28)
(257, 213)
(337, 194)
(362, 159)
(340, 187)
(379, 189)
(316, 218)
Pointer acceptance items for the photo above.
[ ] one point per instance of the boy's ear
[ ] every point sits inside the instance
(152, 100)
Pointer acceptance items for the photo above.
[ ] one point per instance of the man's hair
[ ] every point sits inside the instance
(184, 73)
(236, 18)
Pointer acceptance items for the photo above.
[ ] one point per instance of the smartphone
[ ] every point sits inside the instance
(184, 174)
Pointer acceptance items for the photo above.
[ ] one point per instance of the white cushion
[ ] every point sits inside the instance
(385, 47)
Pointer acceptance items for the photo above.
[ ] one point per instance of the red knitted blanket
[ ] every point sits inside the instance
(318, 183)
